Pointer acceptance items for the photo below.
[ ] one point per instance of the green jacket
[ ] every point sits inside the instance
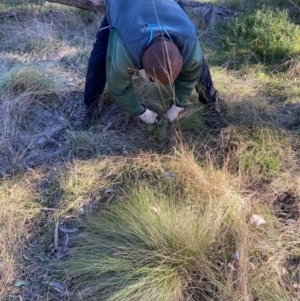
(120, 70)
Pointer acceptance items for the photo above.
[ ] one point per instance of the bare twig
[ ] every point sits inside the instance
(56, 237)
(48, 209)
(7, 16)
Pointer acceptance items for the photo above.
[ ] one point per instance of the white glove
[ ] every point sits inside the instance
(148, 116)
(172, 113)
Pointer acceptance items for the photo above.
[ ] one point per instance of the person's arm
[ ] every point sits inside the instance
(119, 71)
(188, 77)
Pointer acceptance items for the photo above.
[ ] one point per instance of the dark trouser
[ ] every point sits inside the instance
(205, 87)
(96, 73)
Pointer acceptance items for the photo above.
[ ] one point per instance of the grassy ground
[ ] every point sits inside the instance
(125, 211)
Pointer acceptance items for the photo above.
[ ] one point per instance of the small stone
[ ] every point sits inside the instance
(257, 220)
(230, 266)
(81, 210)
(236, 256)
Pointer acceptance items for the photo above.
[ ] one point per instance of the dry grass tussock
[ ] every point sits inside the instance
(149, 249)
(40, 80)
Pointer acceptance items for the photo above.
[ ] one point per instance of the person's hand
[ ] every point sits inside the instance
(148, 116)
(172, 113)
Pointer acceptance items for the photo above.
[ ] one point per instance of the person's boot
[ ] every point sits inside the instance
(212, 113)
(87, 115)
(213, 118)
(207, 95)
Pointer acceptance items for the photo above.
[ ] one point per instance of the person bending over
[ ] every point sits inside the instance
(153, 35)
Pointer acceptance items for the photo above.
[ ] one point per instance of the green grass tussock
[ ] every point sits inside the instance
(145, 248)
(193, 118)
(34, 81)
(175, 238)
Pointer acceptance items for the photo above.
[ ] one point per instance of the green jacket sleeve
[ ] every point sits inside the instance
(188, 76)
(119, 72)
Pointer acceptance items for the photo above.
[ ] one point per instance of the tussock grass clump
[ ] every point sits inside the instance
(150, 247)
(161, 240)
(266, 33)
(33, 80)
(178, 231)
(192, 118)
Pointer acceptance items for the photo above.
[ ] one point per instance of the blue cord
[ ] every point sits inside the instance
(151, 31)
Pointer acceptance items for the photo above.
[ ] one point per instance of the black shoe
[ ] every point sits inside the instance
(85, 117)
(213, 117)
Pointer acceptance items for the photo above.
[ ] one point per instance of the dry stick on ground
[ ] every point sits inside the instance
(91, 5)
(5, 16)
(56, 236)
(207, 13)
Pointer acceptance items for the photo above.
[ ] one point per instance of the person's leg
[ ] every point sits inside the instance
(207, 95)
(96, 73)
(205, 88)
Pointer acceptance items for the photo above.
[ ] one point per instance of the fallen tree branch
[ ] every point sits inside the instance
(56, 237)
(98, 5)
(203, 13)
(2, 17)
